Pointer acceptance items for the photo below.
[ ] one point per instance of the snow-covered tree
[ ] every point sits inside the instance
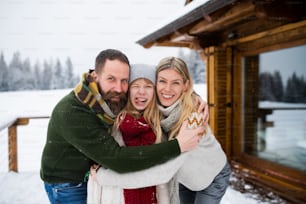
(70, 79)
(4, 86)
(58, 76)
(278, 88)
(15, 74)
(195, 65)
(37, 76)
(46, 76)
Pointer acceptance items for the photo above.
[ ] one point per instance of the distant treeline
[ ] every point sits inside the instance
(22, 75)
(271, 88)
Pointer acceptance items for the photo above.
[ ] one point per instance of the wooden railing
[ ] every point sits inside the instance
(12, 140)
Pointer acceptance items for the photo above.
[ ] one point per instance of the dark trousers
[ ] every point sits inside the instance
(210, 195)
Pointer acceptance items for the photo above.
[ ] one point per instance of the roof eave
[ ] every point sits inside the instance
(203, 11)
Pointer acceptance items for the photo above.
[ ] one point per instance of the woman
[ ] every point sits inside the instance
(202, 174)
(174, 90)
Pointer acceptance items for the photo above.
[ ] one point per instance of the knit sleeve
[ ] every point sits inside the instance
(155, 175)
(83, 130)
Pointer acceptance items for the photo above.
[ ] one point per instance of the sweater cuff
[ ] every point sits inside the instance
(176, 143)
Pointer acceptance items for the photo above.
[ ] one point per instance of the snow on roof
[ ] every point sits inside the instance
(177, 14)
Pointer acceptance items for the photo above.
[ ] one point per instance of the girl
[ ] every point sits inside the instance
(135, 123)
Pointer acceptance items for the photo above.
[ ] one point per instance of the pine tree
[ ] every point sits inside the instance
(58, 79)
(292, 89)
(277, 86)
(28, 79)
(37, 76)
(266, 87)
(70, 79)
(4, 86)
(15, 74)
(47, 76)
(304, 90)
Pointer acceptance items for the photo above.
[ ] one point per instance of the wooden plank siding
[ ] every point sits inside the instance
(250, 106)
(219, 94)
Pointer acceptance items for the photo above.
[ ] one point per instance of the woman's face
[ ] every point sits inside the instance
(169, 87)
(141, 93)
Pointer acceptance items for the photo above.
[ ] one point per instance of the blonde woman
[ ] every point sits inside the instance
(199, 176)
(207, 163)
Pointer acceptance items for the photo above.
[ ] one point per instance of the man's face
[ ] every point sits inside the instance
(113, 83)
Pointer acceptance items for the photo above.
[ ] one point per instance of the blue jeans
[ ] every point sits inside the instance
(67, 193)
(210, 195)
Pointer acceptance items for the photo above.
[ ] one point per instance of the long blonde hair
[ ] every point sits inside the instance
(151, 114)
(187, 100)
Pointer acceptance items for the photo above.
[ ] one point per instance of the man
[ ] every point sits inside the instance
(79, 133)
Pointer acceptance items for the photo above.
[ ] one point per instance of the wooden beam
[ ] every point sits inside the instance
(22, 121)
(264, 34)
(174, 44)
(234, 15)
(286, 182)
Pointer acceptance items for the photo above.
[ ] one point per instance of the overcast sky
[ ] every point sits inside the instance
(80, 29)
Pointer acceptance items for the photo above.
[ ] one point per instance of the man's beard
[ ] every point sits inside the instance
(115, 106)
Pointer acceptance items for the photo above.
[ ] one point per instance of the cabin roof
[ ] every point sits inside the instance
(213, 22)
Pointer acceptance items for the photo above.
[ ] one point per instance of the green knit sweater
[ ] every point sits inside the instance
(77, 138)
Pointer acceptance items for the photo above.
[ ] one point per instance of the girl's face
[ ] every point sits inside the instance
(141, 93)
(170, 86)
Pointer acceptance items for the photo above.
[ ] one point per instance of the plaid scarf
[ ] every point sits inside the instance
(88, 93)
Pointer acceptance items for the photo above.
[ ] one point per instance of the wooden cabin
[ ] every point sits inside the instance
(247, 45)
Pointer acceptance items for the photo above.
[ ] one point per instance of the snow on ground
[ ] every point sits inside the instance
(26, 186)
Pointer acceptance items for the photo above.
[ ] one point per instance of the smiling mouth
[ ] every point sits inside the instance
(167, 96)
(115, 98)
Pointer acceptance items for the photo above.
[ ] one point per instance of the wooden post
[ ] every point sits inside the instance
(12, 143)
(12, 148)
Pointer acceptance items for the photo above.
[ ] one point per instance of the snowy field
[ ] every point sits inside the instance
(26, 187)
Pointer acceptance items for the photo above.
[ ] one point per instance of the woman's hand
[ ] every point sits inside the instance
(187, 138)
(203, 107)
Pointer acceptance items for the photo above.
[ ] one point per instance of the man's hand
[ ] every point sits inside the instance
(93, 171)
(188, 139)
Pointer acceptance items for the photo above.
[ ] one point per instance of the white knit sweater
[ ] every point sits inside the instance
(195, 170)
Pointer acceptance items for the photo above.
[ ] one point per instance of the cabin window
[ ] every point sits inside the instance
(274, 101)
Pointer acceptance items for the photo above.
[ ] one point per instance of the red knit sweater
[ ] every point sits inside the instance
(137, 132)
